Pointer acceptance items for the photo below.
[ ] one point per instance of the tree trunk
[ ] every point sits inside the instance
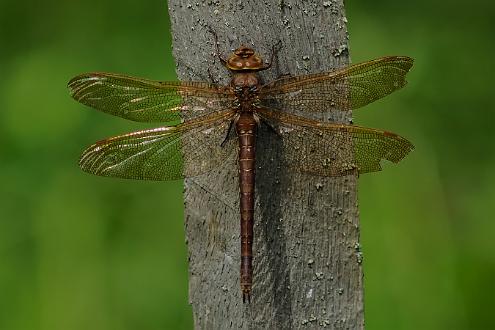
(307, 261)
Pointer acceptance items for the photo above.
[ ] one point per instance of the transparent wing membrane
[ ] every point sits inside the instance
(344, 89)
(329, 149)
(146, 100)
(166, 153)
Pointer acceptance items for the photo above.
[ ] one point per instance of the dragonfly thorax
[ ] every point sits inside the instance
(245, 80)
(246, 87)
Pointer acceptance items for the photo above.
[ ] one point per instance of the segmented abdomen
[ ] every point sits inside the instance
(246, 132)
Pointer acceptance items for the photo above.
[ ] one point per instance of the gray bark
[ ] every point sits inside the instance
(307, 263)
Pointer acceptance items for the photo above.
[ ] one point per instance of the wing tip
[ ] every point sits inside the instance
(403, 62)
(82, 76)
(395, 155)
(87, 159)
(78, 83)
(405, 148)
(400, 149)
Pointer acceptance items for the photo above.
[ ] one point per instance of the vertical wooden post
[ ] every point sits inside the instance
(307, 261)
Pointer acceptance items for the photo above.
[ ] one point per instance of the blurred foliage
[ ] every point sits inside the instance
(82, 252)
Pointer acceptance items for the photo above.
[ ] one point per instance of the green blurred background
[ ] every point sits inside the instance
(83, 252)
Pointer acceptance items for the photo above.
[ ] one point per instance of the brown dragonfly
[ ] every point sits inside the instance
(205, 124)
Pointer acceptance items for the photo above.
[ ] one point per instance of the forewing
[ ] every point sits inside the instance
(166, 153)
(344, 89)
(328, 149)
(146, 100)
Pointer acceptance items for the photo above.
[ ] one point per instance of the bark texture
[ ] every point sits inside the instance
(307, 259)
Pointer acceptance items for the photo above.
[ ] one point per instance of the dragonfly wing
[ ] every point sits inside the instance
(344, 89)
(330, 149)
(166, 153)
(146, 100)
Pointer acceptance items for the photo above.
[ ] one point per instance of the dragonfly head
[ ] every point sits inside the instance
(244, 59)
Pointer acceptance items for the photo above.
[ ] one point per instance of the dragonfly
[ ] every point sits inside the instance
(205, 123)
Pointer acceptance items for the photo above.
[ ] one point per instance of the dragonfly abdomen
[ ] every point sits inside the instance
(246, 132)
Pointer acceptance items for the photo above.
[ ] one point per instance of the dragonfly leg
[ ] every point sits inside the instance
(229, 131)
(217, 49)
(212, 79)
(275, 49)
(257, 119)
